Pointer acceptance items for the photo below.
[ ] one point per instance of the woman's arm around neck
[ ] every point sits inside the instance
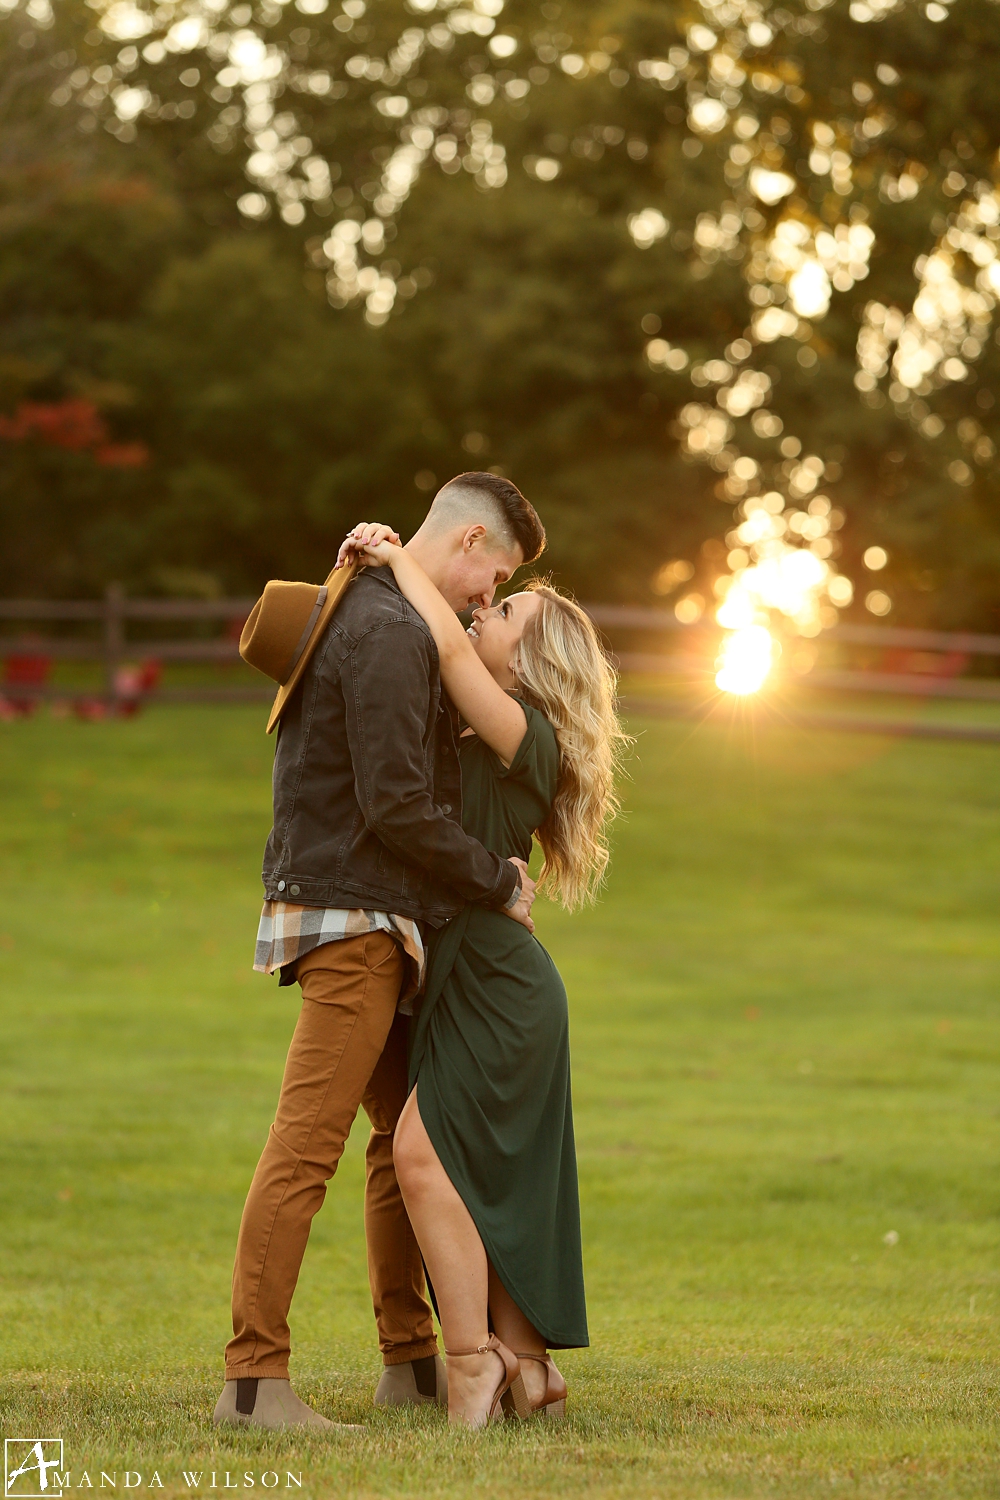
(497, 718)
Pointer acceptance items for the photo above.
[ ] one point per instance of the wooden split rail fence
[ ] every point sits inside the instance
(920, 662)
(28, 657)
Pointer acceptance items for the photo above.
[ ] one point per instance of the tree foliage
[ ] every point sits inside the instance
(655, 263)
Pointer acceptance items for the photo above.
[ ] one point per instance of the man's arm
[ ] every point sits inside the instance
(387, 689)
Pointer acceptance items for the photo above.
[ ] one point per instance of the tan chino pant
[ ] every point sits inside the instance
(348, 1049)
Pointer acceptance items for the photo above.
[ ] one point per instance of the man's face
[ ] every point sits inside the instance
(473, 571)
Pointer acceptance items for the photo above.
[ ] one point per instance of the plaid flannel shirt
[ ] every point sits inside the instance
(287, 931)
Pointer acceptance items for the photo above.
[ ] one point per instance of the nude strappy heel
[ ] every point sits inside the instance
(553, 1403)
(511, 1399)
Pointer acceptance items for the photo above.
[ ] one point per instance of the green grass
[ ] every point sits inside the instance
(785, 1050)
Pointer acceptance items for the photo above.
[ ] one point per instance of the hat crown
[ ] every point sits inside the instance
(285, 626)
(279, 627)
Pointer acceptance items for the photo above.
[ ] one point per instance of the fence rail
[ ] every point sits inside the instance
(625, 617)
(114, 647)
(124, 608)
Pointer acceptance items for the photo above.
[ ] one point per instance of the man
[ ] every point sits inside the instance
(366, 846)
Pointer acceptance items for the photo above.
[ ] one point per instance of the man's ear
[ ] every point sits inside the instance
(474, 537)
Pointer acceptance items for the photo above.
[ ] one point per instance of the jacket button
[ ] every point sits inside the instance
(293, 890)
(446, 807)
(281, 885)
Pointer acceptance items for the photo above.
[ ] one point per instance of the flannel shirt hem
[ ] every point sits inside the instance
(287, 932)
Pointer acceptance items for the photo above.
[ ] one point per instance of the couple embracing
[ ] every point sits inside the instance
(415, 762)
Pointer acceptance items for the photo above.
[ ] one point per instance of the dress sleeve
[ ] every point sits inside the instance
(536, 762)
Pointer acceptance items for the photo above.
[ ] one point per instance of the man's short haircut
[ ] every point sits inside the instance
(510, 519)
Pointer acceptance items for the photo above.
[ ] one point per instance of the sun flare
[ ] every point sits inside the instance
(745, 660)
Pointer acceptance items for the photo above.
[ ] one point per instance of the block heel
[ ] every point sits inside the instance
(515, 1399)
(553, 1404)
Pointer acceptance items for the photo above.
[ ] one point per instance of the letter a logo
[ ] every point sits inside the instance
(33, 1467)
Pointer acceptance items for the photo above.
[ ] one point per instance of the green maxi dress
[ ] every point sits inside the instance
(490, 1057)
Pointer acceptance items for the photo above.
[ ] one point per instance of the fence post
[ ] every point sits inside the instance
(114, 634)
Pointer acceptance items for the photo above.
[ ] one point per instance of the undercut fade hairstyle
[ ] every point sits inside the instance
(512, 520)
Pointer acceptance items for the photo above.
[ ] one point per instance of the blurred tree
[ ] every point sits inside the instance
(615, 249)
(275, 423)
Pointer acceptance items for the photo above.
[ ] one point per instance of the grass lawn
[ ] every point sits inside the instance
(786, 1047)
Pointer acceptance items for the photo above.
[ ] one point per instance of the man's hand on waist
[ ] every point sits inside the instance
(522, 900)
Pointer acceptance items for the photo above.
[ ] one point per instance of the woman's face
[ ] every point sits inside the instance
(495, 633)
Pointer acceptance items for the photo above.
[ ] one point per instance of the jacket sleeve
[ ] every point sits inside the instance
(386, 682)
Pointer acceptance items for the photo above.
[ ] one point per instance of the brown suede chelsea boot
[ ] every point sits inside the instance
(419, 1382)
(272, 1404)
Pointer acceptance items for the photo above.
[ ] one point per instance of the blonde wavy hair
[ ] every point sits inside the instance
(561, 669)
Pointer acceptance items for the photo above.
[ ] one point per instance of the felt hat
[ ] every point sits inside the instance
(285, 627)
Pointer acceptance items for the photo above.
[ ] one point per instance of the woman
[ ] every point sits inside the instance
(484, 1147)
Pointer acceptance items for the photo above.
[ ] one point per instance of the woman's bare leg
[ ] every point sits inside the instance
(513, 1329)
(456, 1262)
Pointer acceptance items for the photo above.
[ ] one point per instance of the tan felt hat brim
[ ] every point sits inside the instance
(335, 585)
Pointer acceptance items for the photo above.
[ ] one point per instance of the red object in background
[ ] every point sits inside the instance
(23, 669)
(133, 684)
(75, 424)
(90, 708)
(926, 663)
(122, 455)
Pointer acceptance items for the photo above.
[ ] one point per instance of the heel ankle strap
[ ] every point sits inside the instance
(460, 1353)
